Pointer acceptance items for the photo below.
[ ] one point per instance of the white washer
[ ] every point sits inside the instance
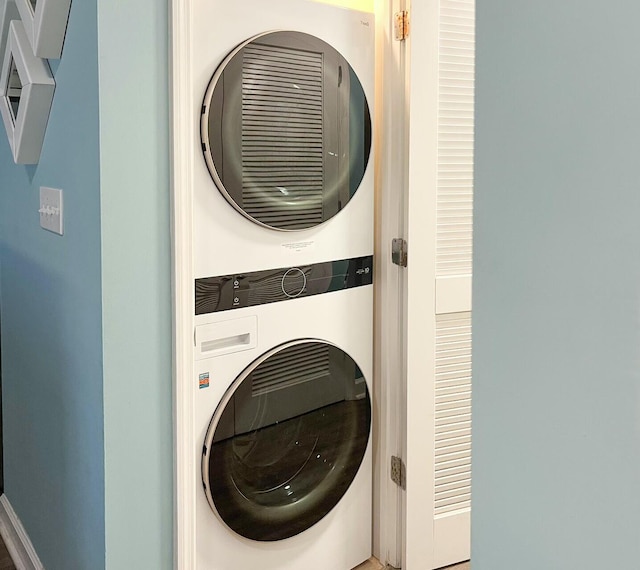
(283, 430)
(283, 172)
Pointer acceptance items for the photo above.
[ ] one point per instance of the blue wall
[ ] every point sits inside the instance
(134, 140)
(557, 286)
(50, 303)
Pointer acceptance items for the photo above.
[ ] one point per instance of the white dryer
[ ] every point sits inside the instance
(283, 419)
(283, 173)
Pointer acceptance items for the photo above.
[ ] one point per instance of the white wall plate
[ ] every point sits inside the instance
(45, 23)
(8, 12)
(26, 93)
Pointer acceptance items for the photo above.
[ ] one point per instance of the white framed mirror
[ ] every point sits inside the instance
(8, 12)
(26, 93)
(45, 23)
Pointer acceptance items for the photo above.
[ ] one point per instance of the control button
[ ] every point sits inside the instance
(294, 282)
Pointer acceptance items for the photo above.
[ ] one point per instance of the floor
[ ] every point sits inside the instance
(7, 564)
(5, 560)
(373, 564)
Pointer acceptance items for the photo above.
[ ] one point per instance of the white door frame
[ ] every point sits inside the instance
(389, 332)
(182, 161)
(419, 401)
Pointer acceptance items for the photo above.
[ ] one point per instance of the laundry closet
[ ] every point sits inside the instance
(290, 308)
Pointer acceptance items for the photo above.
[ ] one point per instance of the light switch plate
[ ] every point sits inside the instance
(51, 210)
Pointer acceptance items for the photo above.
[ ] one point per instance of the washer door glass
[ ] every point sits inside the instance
(287, 440)
(286, 130)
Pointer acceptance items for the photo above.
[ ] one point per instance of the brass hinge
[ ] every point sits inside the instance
(402, 25)
(399, 254)
(398, 472)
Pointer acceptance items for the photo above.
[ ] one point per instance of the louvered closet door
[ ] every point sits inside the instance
(453, 283)
(437, 313)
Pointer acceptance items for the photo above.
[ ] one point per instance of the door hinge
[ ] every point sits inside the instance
(398, 472)
(402, 25)
(399, 252)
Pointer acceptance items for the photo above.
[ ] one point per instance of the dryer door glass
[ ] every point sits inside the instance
(286, 130)
(287, 440)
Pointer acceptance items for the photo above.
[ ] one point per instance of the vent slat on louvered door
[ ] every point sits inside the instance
(455, 138)
(453, 413)
(282, 136)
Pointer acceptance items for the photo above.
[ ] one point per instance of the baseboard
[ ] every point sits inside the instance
(16, 539)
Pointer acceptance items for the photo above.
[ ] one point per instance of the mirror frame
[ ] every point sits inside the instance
(26, 132)
(45, 26)
(8, 12)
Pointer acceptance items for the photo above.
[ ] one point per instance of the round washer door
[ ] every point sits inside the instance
(287, 440)
(286, 130)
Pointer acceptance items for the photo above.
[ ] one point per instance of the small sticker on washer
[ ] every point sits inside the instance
(299, 245)
(204, 380)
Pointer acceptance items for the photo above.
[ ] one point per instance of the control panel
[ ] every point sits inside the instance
(226, 292)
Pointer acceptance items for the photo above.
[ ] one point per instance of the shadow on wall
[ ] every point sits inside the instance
(50, 396)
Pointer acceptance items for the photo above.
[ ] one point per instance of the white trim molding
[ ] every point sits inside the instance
(419, 310)
(182, 160)
(45, 22)
(15, 537)
(390, 133)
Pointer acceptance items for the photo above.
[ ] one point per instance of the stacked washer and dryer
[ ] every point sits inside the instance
(283, 316)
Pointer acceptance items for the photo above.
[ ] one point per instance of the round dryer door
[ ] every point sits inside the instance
(286, 130)
(287, 440)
